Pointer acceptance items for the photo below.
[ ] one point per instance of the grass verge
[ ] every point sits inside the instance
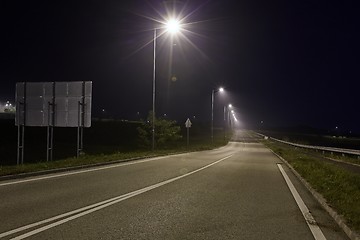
(341, 188)
(90, 159)
(343, 157)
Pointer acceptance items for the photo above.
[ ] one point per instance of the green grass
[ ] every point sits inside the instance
(344, 158)
(102, 138)
(199, 144)
(341, 188)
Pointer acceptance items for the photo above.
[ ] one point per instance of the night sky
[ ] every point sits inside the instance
(285, 63)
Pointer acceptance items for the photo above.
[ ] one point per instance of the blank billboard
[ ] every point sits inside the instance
(58, 104)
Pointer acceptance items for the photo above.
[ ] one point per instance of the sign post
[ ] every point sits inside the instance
(188, 126)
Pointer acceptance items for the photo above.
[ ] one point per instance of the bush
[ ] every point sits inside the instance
(166, 131)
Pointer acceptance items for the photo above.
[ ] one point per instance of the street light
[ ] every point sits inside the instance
(228, 107)
(230, 117)
(212, 111)
(172, 26)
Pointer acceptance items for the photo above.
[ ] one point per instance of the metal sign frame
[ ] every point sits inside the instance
(52, 104)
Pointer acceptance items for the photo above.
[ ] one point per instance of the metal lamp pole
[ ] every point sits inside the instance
(172, 26)
(212, 115)
(212, 111)
(224, 123)
(153, 94)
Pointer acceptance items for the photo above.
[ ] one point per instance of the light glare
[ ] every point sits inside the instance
(173, 26)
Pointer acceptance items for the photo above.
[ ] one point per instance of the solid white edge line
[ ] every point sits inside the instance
(95, 207)
(309, 219)
(81, 171)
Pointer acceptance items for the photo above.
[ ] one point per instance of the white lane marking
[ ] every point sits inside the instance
(60, 216)
(81, 171)
(310, 221)
(95, 207)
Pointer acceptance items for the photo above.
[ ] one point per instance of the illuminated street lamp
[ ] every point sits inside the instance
(228, 107)
(172, 26)
(212, 111)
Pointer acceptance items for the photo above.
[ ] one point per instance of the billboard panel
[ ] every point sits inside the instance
(67, 103)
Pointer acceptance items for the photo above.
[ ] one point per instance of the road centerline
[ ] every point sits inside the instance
(69, 216)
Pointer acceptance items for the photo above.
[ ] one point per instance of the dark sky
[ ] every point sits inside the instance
(282, 62)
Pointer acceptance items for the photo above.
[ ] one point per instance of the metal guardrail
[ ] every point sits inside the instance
(327, 149)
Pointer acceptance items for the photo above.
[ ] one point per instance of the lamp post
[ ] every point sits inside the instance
(225, 123)
(234, 117)
(172, 26)
(212, 111)
(153, 93)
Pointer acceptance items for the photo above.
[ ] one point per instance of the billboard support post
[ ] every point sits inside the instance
(52, 104)
(50, 134)
(50, 125)
(81, 121)
(80, 129)
(21, 125)
(20, 147)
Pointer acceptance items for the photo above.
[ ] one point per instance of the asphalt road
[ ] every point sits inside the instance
(234, 192)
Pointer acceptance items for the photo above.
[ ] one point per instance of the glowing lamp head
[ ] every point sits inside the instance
(173, 26)
(221, 89)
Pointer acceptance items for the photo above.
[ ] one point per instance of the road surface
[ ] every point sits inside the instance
(235, 192)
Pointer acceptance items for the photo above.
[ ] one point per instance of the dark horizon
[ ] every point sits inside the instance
(283, 64)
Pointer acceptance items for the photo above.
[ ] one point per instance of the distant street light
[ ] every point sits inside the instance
(172, 26)
(228, 111)
(212, 111)
(231, 118)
